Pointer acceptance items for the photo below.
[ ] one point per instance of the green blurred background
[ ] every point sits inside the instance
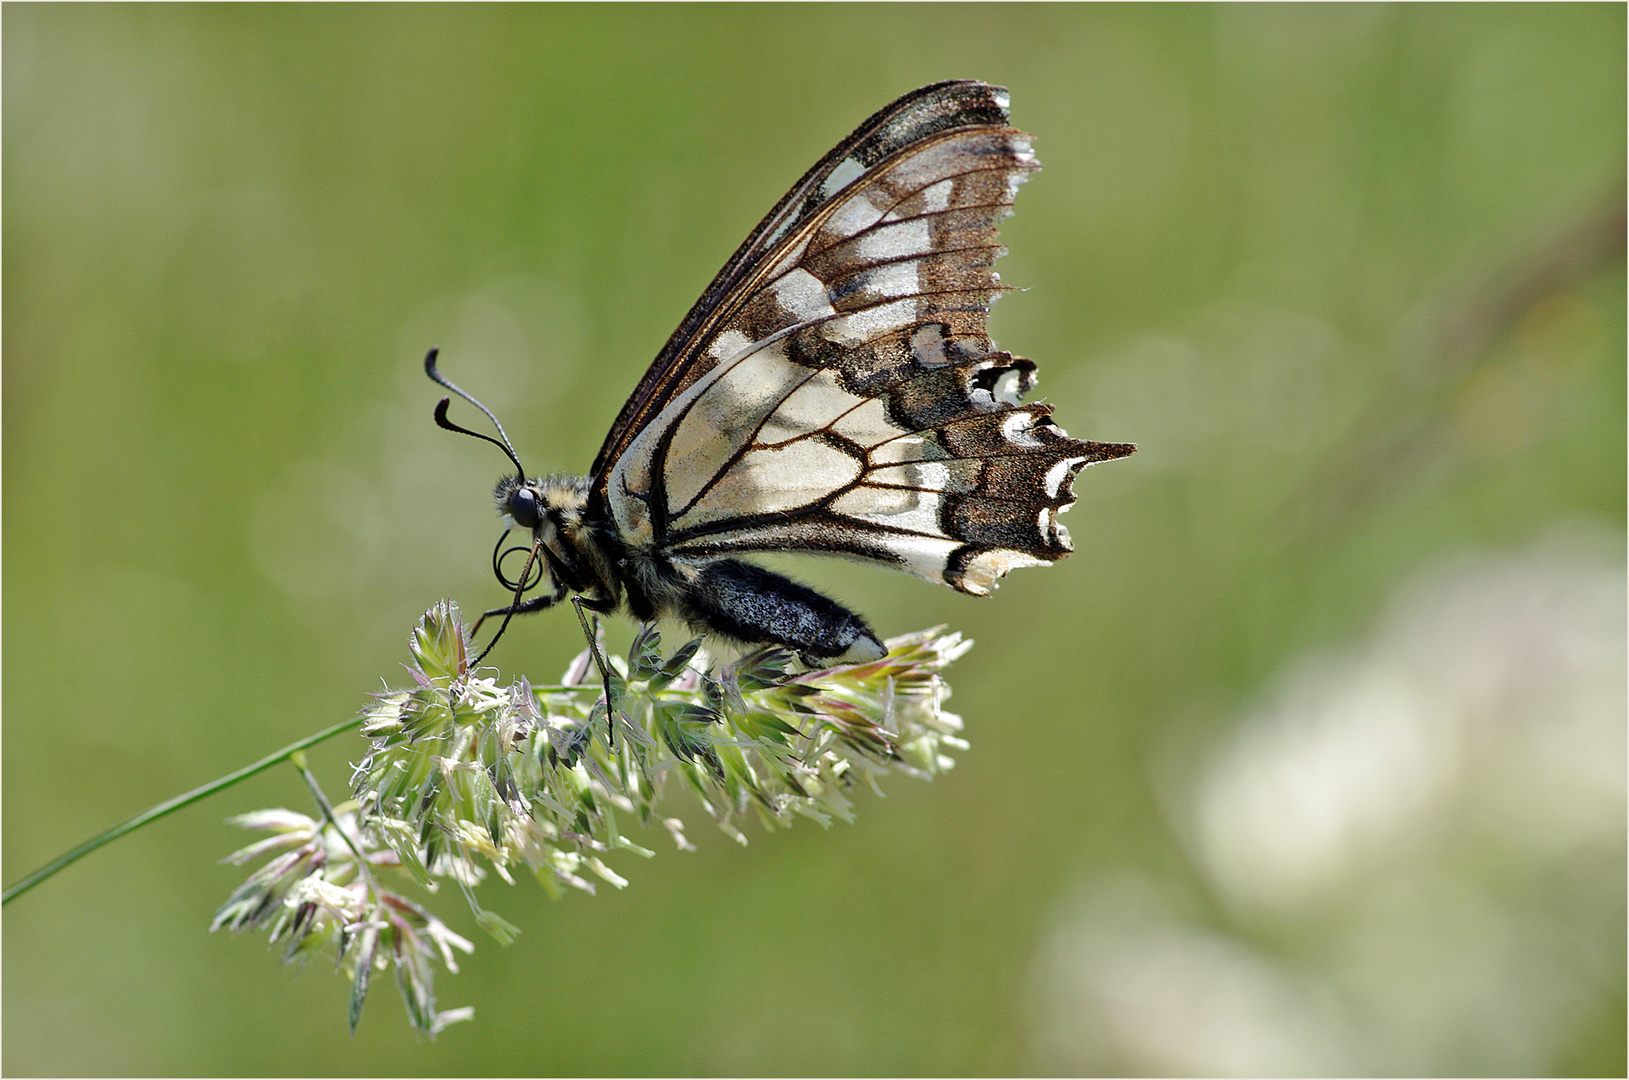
(1310, 760)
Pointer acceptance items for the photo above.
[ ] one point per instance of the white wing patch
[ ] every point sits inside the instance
(896, 508)
(853, 215)
(868, 425)
(1018, 427)
(729, 345)
(948, 476)
(897, 241)
(983, 570)
(905, 448)
(709, 423)
(1057, 474)
(870, 323)
(926, 557)
(723, 418)
(889, 279)
(802, 294)
(847, 171)
(810, 407)
(936, 197)
(774, 481)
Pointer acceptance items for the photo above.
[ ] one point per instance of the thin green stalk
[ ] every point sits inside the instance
(327, 809)
(163, 808)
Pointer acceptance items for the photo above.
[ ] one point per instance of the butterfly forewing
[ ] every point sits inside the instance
(836, 391)
(915, 116)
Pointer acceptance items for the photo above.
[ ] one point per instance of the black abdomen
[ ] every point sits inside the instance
(752, 605)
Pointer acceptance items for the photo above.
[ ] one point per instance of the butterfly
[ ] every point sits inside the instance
(834, 392)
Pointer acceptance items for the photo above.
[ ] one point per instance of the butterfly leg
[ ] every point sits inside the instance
(536, 603)
(753, 605)
(580, 603)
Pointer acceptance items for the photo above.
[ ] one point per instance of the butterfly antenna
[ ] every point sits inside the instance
(508, 448)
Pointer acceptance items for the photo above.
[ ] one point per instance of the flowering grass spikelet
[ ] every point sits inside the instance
(465, 777)
(320, 890)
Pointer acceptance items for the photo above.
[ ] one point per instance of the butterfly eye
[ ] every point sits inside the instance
(524, 509)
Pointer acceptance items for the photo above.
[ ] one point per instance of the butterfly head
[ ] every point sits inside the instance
(546, 506)
(519, 503)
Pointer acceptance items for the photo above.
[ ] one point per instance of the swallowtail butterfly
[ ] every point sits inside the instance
(833, 391)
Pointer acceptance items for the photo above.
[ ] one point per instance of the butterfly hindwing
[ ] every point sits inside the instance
(837, 391)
